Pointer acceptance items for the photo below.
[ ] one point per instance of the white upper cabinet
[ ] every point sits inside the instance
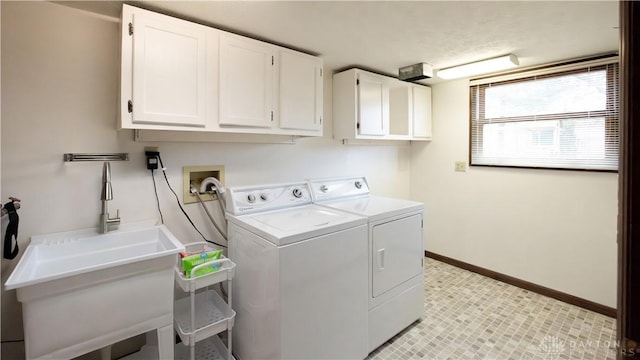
(360, 105)
(178, 75)
(373, 105)
(421, 119)
(300, 89)
(164, 71)
(246, 82)
(368, 106)
(410, 106)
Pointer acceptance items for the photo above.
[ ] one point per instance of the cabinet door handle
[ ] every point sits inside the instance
(381, 259)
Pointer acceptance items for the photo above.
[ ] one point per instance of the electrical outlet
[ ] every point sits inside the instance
(194, 175)
(152, 157)
(461, 166)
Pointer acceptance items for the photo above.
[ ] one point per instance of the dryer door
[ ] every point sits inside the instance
(397, 252)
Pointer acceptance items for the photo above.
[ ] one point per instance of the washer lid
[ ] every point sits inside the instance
(295, 224)
(375, 207)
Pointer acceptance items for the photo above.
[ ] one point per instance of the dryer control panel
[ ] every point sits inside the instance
(250, 199)
(339, 188)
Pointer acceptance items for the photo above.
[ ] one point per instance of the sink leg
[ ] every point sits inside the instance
(105, 353)
(165, 342)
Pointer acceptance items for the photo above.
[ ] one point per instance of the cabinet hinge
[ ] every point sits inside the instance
(272, 61)
(272, 116)
(130, 106)
(320, 72)
(422, 223)
(357, 81)
(130, 28)
(320, 120)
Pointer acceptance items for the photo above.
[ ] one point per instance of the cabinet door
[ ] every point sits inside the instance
(400, 110)
(373, 105)
(421, 112)
(246, 85)
(169, 71)
(300, 104)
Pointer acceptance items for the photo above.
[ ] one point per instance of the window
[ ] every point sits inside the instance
(564, 117)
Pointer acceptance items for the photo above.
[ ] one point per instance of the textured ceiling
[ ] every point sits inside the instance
(386, 35)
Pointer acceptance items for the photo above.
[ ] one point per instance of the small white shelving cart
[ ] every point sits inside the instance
(200, 317)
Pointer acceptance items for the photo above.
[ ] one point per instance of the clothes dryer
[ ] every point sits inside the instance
(396, 253)
(300, 286)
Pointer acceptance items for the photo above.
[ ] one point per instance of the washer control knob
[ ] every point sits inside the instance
(358, 185)
(297, 193)
(251, 198)
(324, 188)
(263, 196)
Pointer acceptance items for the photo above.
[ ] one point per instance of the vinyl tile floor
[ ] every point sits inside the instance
(470, 316)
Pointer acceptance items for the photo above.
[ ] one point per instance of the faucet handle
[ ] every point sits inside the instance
(115, 220)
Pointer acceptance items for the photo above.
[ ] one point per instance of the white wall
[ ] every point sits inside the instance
(59, 90)
(550, 227)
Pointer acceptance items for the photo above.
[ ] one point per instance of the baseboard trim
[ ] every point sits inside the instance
(555, 294)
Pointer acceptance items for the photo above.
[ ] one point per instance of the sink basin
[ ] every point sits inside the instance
(99, 288)
(59, 255)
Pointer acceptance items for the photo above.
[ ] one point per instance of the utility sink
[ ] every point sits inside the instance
(59, 255)
(98, 288)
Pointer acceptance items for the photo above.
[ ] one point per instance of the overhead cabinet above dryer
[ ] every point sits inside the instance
(179, 75)
(369, 106)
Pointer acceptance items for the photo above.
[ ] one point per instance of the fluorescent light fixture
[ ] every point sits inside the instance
(479, 67)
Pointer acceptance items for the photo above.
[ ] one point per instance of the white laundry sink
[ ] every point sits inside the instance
(60, 255)
(97, 288)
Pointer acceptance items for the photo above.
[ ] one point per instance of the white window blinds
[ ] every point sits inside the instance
(563, 118)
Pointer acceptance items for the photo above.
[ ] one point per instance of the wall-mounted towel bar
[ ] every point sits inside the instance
(96, 157)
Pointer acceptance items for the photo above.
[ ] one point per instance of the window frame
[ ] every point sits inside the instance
(611, 114)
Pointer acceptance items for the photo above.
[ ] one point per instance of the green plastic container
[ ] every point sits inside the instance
(189, 262)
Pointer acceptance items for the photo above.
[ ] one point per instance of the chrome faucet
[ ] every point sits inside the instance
(106, 195)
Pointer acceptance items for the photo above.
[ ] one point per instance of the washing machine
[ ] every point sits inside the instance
(395, 249)
(300, 285)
